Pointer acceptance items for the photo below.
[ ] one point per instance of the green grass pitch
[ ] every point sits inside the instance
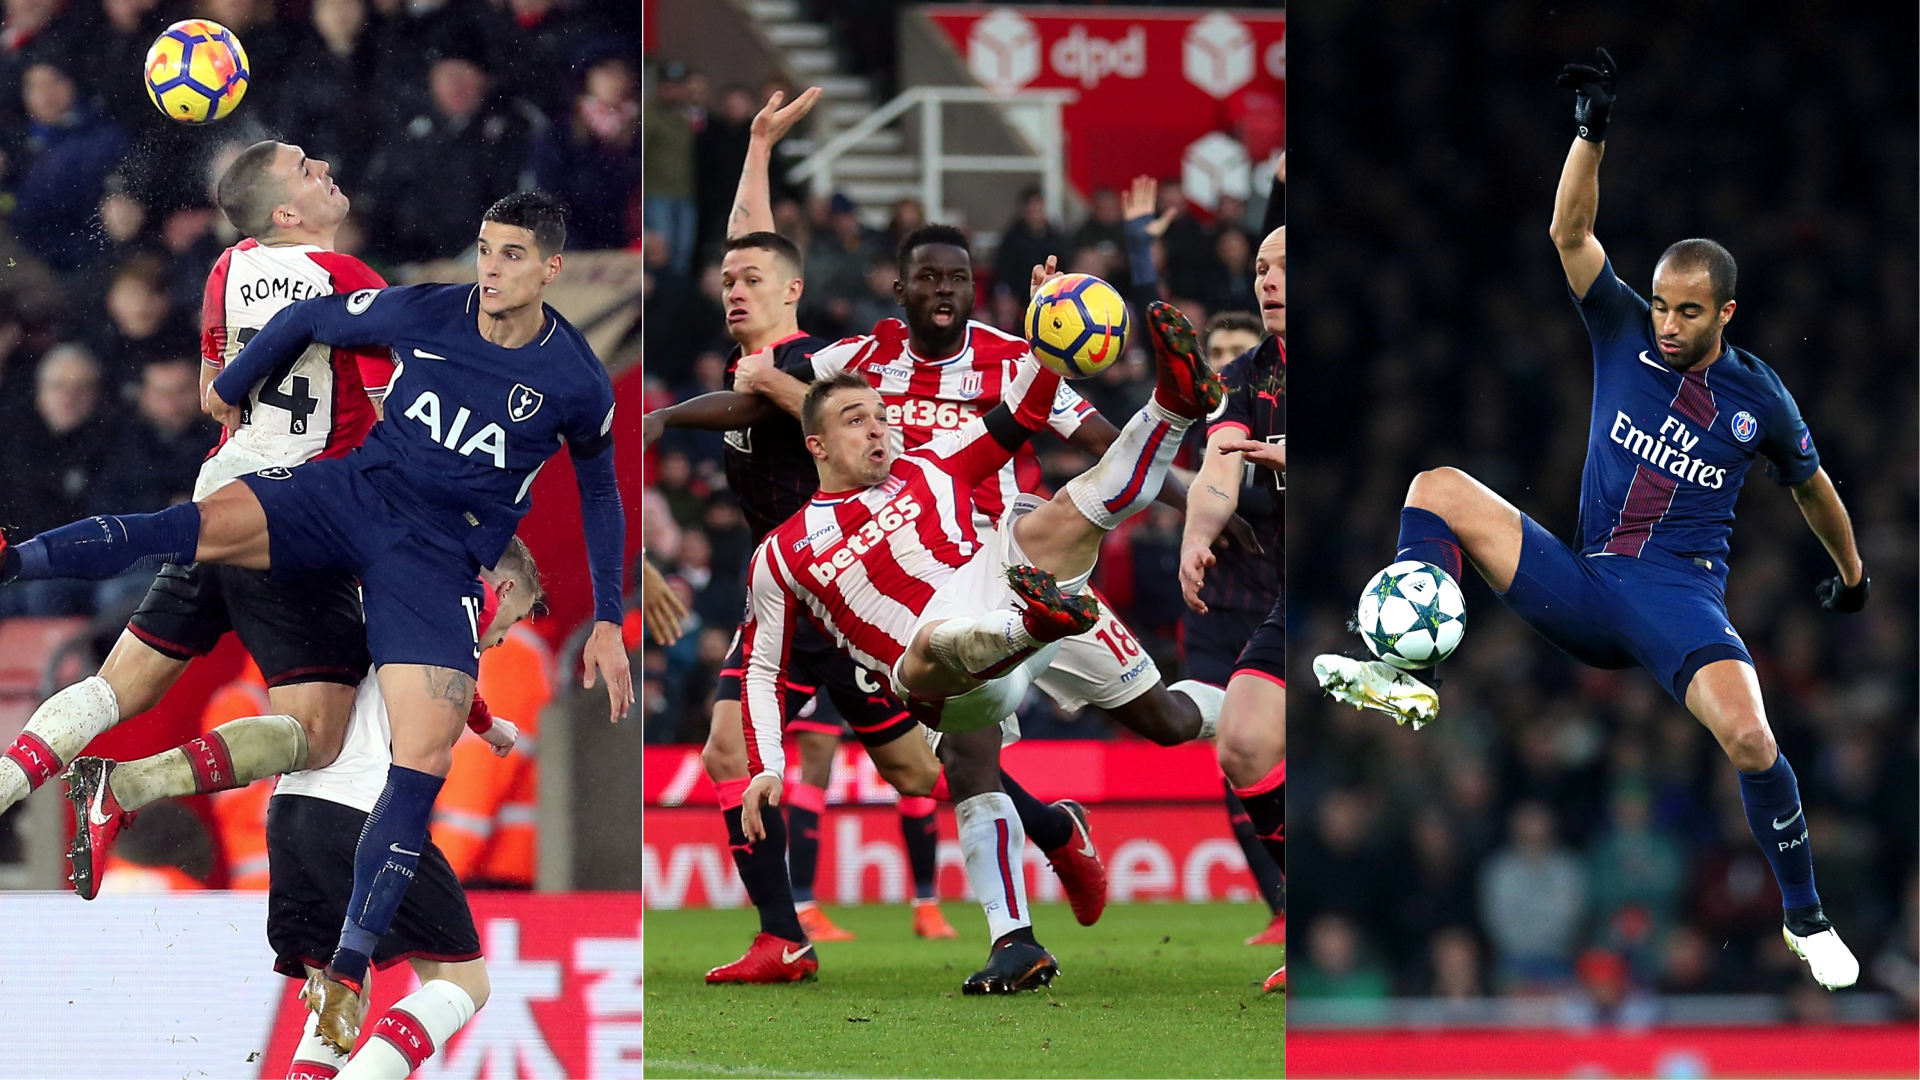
(1152, 990)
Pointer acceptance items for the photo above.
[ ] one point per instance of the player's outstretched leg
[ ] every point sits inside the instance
(227, 526)
(59, 729)
(806, 805)
(1725, 695)
(780, 951)
(107, 794)
(1447, 513)
(994, 845)
(1260, 863)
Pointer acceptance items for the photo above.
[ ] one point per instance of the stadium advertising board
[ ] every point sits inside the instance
(1179, 852)
(1195, 94)
(187, 982)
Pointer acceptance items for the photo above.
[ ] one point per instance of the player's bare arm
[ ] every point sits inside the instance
(1266, 455)
(1211, 503)
(752, 201)
(1576, 202)
(721, 410)
(1827, 516)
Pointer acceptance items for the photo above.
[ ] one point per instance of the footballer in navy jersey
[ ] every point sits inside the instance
(1679, 415)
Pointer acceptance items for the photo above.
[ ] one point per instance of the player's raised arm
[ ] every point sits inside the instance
(721, 410)
(1576, 203)
(753, 199)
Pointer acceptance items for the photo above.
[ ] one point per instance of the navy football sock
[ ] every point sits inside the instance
(1772, 799)
(1425, 537)
(803, 850)
(384, 865)
(1047, 826)
(1266, 873)
(763, 869)
(922, 838)
(108, 546)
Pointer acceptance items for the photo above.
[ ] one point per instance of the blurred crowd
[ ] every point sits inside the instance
(694, 528)
(1562, 830)
(427, 110)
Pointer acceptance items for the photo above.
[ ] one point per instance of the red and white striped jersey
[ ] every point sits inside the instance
(316, 407)
(864, 564)
(930, 398)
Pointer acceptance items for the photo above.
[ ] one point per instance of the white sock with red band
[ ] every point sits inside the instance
(412, 1031)
(1129, 475)
(313, 1059)
(995, 847)
(59, 729)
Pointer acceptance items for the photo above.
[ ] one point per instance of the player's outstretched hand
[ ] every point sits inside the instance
(1836, 595)
(764, 791)
(227, 415)
(660, 606)
(1194, 560)
(606, 657)
(652, 426)
(1593, 96)
(500, 736)
(1044, 273)
(746, 374)
(772, 123)
(1272, 455)
(1139, 202)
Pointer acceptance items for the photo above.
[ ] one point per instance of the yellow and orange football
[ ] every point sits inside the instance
(196, 71)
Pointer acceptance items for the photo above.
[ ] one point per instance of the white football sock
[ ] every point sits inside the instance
(994, 847)
(1129, 475)
(416, 1028)
(313, 1059)
(976, 647)
(64, 723)
(1208, 698)
(254, 746)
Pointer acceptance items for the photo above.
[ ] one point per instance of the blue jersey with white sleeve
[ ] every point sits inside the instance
(468, 423)
(1667, 451)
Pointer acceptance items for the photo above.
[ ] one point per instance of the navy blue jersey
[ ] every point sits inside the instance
(1255, 403)
(1667, 451)
(468, 423)
(767, 463)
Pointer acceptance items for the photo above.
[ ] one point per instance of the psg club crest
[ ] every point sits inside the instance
(523, 401)
(970, 385)
(1745, 426)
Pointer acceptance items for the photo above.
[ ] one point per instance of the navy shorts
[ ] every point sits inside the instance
(1265, 654)
(1615, 611)
(814, 665)
(1210, 644)
(421, 592)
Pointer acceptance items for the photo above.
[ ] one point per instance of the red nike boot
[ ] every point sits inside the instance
(1185, 386)
(1274, 934)
(1276, 983)
(1050, 614)
(769, 960)
(1078, 865)
(97, 820)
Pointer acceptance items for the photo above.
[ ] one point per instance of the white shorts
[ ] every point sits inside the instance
(1077, 671)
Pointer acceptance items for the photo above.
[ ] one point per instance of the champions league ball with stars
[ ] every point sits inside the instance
(1412, 615)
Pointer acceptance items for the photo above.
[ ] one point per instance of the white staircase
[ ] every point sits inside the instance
(876, 172)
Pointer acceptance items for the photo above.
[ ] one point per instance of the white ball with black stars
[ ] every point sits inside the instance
(1412, 614)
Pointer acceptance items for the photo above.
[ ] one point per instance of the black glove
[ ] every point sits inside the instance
(1836, 595)
(1592, 87)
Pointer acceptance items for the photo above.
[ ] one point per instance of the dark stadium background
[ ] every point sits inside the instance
(1432, 327)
